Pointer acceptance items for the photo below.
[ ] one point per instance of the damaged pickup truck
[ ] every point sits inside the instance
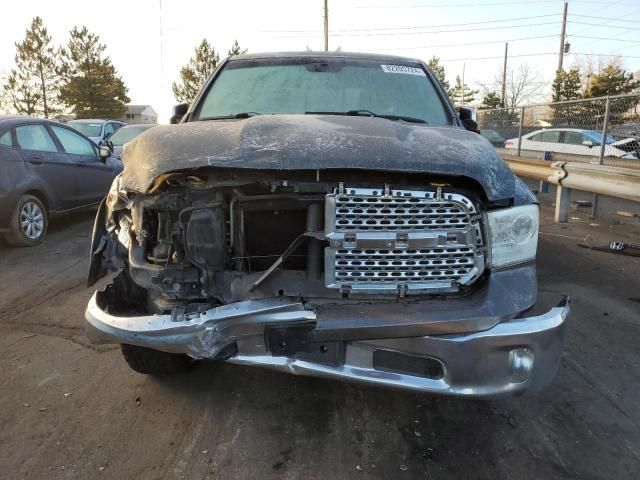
(327, 215)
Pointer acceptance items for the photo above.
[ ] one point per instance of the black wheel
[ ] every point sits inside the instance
(154, 362)
(28, 222)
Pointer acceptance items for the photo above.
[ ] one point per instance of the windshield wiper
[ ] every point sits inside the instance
(232, 116)
(369, 113)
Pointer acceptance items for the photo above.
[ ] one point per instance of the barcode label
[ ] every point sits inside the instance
(403, 69)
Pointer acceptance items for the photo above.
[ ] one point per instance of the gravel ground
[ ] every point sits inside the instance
(72, 410)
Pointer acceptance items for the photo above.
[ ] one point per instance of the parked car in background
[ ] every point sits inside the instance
(573, 141)
(47, 168)
(494, 137)
(356, 228)
(627, 130)
(97, 130)
(124, 135)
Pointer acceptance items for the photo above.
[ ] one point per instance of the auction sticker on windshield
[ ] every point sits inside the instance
(403, 69)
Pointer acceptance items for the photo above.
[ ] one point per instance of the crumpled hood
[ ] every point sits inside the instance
(310, 142)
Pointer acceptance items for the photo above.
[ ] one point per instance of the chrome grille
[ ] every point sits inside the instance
(399, 213)
(401, 241)
(376, 265)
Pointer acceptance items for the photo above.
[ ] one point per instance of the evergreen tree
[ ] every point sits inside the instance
(195, 73)
(91, 87)
(438, 71)
(612, 80)
(491, 100)
(493, 114)
(567, 85)
(33, 84)
(236, 50)
(462, 94)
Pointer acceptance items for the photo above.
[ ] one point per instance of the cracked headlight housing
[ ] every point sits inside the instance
(513, 233)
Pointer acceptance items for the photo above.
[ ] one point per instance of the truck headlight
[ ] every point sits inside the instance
(513, 233)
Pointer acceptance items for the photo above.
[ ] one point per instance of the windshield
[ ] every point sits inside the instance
(126, 134)
(87, 128)
(597, 137)
(323, 85)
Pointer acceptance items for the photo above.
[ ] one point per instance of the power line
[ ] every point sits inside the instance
(470, 43)
(606, 55)
(496, 84)
(607, 5)
(605, 38)
(442, 31)
(600, 25)
(604, 18)
(605, 24)
(469, 59)
(608, 21)
(451, 5)
(493, 58)
(416, 27)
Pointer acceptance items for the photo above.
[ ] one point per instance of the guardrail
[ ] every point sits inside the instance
(603, 179)
(569, 157)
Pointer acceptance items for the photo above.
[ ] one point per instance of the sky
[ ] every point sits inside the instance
(149, 40)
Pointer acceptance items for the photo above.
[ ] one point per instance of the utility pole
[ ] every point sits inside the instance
(562, 36)
(326, 25)
(504, 74)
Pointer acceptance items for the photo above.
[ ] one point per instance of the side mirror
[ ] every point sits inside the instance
(587, 143)
(468, 122)
(104, 153)
(179, 111)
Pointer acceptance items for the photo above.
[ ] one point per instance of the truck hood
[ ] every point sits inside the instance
(316, 142)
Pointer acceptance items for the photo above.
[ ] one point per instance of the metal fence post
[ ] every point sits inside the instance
(520, 129)
(603, 144)
(563, 201)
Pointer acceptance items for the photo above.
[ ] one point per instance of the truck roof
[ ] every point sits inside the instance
(312, 54)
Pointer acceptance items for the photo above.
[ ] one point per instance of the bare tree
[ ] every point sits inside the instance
(5, 101)
(523, 85)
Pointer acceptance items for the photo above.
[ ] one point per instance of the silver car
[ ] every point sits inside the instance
(124, 135)
(96, 130)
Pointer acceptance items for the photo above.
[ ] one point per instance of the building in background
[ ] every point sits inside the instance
(136, 114)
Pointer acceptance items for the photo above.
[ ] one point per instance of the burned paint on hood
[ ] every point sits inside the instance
(316, 142)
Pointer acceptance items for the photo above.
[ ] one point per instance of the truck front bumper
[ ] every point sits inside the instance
(507, 358)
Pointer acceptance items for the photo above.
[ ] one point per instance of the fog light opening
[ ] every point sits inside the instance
(520, 364)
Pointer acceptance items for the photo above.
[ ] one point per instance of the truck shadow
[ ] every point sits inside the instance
(381, 430)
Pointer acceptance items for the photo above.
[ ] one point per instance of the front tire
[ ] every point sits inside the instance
(28, 224)
(154, 362)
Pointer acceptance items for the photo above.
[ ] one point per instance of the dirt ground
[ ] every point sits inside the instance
(71, 410)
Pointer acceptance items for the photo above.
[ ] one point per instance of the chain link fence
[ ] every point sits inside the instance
(575, 128)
